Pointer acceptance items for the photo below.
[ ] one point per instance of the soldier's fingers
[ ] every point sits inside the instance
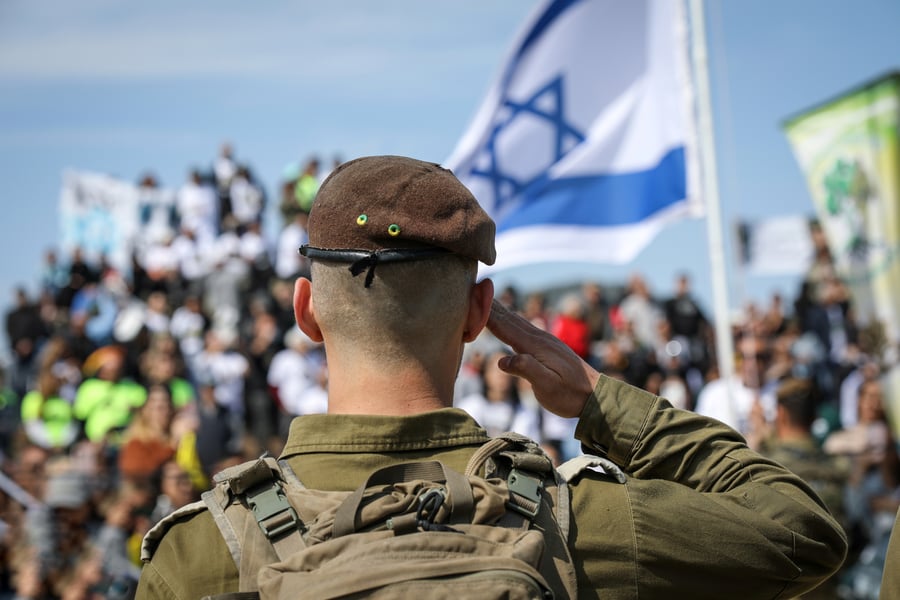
(514, 330)
(525, 366)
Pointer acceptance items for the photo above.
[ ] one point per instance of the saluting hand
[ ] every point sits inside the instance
(561, 381)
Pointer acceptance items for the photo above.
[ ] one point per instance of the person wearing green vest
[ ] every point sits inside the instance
(307, 185)
(685, 509)
(105, 403)
(48, 418)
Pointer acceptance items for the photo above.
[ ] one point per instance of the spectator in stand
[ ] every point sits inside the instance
(224, 167)
(98, 302)
(80, 273)
(46, 417)
(225, 369)
(157, 218)
(298, 378)
(260, 347)
(197, 208)
(735, 402)
(282, 294)
(571, 327)
(195, 258)
(156, 315)
(289, 264)
(54, 274)
(774, 319)
(59, 529)
(25, 332)
(639, 308)
(469, 380)
(870, 446)
(223, 296)
(596, 312)
(148, 442)
(106, 400)
(686, 318)
(499, 409)
(188, 327)
(159, 260)
(247, 199)
(157, 434)
(307, 185)
(509, 298)
(287, 205)
(792, 444)
(176, 490)
(849, 391)
(534, 309)
(161, 364)
(254, 250)
(219, 436)
(831, 322)
(10, 418)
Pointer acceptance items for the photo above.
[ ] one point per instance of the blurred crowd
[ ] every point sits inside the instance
(128, 389)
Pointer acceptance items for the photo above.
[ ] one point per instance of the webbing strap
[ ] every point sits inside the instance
(225, 526)
(574, 467)
(346, 519)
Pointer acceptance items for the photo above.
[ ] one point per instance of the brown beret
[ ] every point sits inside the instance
(389, 208)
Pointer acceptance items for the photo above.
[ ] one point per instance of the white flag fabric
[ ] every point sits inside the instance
(584, 147)
(776, 245)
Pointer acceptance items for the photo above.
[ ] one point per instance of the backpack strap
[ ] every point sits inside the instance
(529, 473)
(346, 519)
(249, 506)
(526, 467)
(574, 467)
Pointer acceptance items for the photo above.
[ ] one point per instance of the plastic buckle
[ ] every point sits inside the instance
(272, 511)
(523, 486)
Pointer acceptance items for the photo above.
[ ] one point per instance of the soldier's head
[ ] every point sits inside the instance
(796, 404)
(394, 244)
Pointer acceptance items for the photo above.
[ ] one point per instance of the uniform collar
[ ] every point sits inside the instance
(378, 433)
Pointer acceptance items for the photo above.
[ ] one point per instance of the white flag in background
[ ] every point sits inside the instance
(584, 147)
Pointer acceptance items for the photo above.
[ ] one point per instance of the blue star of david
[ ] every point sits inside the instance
(506, 186)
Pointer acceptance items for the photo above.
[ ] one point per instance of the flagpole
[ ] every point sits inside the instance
(710, 188)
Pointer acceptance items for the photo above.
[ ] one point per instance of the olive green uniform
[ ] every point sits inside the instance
(826, 474)
(700, 516)
(890, 582)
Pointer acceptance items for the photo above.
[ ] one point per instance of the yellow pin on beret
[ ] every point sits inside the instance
(392, 208)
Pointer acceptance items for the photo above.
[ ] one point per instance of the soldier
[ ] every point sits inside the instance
(695, 513)
(793, 446)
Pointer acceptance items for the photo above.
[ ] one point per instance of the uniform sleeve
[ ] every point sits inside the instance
(700, 513)
(190, 562)
(890, 583)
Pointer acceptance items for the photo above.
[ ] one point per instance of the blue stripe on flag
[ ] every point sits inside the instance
(603, 200)
(544, 21)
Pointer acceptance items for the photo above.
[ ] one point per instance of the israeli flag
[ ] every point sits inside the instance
(583, 149)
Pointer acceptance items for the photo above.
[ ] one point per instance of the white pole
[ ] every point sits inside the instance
(710, 187)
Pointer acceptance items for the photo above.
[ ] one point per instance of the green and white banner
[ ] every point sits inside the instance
(848, 149)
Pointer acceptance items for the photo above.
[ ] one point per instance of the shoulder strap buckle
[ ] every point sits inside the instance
(274, 514)
(525, 493)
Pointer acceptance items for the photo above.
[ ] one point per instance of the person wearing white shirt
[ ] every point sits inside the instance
(297, 374)
(288, 261)
(198, 208)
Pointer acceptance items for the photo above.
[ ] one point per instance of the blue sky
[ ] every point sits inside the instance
(125, 88)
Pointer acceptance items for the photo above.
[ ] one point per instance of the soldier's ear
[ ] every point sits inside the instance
(304, 311)
(480, 299)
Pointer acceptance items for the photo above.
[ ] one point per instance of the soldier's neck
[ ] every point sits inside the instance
(388, 391)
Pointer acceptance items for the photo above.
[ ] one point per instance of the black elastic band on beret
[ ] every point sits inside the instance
(363, 260)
